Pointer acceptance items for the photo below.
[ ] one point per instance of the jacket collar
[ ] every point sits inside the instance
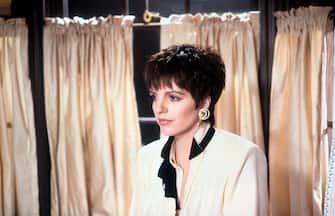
(167, 172)
(199, 142)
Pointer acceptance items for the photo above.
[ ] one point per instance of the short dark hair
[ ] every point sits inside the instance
(199, 71)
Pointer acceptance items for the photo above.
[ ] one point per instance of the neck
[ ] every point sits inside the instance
(183, 146)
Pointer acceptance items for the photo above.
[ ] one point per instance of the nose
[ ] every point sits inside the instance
(159, 106)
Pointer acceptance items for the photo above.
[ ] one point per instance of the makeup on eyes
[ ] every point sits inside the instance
(174, 95)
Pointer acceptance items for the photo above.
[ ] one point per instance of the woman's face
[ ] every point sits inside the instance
(175, 110)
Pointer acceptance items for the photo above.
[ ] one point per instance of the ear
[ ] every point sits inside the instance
(206, 102)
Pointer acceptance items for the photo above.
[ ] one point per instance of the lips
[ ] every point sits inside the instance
(164, 122)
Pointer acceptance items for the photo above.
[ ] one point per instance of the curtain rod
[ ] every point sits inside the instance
(157, 23)
(140, 24)
(126, 7)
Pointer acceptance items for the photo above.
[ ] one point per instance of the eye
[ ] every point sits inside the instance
(152, 96)
(174, 98)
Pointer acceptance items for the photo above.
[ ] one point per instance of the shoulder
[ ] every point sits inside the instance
(230, 140)
(233, 148)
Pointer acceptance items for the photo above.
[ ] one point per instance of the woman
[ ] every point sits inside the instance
(197, 169)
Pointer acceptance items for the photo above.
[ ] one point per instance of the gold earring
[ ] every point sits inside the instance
(204, 114)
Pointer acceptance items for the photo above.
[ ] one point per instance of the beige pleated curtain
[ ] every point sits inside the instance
(18, 161)
(91, 114)
(236, 38)
(328, 68)
(296, 147)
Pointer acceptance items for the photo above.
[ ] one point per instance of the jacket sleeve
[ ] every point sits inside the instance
(246, 189)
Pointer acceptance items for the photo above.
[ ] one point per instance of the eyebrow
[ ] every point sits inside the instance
(169, 91)
(178, 92)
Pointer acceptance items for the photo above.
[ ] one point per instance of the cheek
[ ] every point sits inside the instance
(188, 113)
(153, 107)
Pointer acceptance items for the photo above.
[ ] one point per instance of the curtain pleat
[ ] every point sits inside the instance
(91, 114)
(328, 66)
(18, 161)
(236, 39)
(295, 147)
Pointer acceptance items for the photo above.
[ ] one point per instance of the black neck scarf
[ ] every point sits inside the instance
(168, 173)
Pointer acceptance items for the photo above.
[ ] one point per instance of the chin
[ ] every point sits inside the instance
(167, 132)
